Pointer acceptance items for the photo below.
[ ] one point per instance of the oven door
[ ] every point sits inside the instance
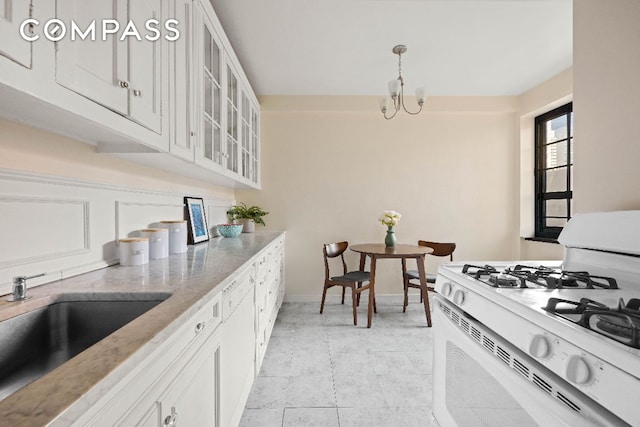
(480, 380)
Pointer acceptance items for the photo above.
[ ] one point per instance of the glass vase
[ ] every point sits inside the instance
(390, 239)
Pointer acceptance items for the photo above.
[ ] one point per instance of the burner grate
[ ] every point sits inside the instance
(524, 276)
(621, 323)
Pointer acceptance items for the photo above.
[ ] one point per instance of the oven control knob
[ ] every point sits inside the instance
(539, 347)
(458, 297)
(446, 289)
(576, 370)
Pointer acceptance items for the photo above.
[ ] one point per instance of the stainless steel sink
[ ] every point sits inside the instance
(36, 342)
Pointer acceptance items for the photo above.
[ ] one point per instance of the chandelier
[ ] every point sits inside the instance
(396, 90)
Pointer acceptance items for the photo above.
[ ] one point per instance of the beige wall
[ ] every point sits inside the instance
(28, 149)
(328, 174)
(606, 104)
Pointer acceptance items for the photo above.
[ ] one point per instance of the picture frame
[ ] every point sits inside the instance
(196, 220)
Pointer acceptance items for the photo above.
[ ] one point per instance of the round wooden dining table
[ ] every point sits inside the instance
(379, 251)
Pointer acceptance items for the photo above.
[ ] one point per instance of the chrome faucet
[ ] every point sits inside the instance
(20, 287)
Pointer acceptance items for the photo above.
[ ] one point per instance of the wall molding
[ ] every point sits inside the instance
(14, 175)
(86, 229)
(68, 226)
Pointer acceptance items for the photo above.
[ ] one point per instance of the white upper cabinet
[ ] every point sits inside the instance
(124, 76)
(145, 67)
(226, 129)
(170, 94)
(208, 75)
(12, 14)
(181, 87)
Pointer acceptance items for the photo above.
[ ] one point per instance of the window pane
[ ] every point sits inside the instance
(207, 50)
(556, 154)
(556, 207)
(556, 180)
(232, 152)
(217, 145)
(557, 128)
(556, 222)
(215, 61)
(554, 145)
(217, 101)
(208, 130)
(207, 95)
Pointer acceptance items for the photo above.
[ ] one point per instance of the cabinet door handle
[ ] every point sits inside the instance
(171, 420)
(124, 84)
(137, 92)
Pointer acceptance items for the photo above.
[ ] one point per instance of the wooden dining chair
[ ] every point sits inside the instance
(349, 279)
(439, 250)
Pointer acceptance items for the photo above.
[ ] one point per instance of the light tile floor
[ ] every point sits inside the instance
(320, 370)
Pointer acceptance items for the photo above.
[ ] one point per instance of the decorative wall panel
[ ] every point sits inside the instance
(35, 229)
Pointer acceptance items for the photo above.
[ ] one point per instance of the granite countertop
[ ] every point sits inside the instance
(192, 279)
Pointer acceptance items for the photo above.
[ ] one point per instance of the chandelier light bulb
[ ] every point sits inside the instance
(394, 88)
(421, 94)
(384, 103)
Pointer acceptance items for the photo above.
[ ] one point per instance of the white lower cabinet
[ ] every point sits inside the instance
(183, 374)
(269, 295)
(201, 376)
(192, 399)
(238, 343)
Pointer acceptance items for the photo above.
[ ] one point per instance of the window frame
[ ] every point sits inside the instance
(542, 230)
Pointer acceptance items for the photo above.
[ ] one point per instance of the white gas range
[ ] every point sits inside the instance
(543, 343)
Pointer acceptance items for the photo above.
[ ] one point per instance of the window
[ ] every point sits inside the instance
(553, 171)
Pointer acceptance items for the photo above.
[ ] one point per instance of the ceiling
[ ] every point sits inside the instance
(343, 47)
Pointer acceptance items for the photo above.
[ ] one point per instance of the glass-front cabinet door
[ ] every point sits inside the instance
(210, 151)
(232, 120)
(255, 145)
(249, 147)
(245, 148)
(227, 110)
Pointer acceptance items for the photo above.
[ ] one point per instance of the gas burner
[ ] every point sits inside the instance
(505, 280)
(491, 276)
(621, 323)
(478, 271)
(541, 277)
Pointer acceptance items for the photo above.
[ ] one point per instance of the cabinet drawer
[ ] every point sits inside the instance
(233, 293)
(208, 317)
(263, 261)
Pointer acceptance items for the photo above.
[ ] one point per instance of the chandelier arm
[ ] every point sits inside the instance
(396, 109)
(409, 112)
(391, 116)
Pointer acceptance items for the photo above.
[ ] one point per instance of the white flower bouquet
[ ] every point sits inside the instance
(390, 218)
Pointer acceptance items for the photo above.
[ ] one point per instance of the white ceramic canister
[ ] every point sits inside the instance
(177, 235)
(134, 251)
(158, 242)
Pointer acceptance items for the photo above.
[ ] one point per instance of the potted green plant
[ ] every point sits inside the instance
(249, 216)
